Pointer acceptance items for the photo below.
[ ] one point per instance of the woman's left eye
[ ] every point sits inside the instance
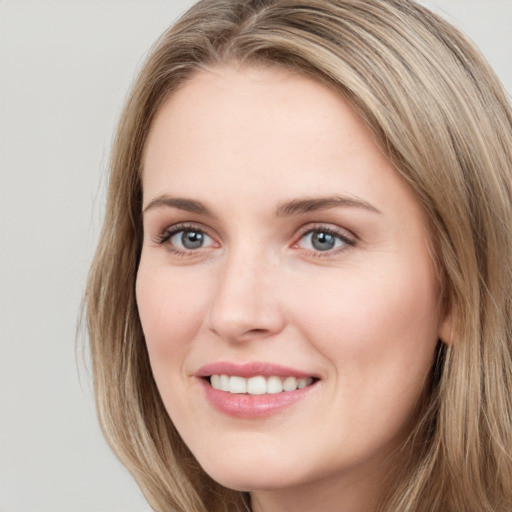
(323, 240)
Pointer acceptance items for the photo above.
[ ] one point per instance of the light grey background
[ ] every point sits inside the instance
(65, 68)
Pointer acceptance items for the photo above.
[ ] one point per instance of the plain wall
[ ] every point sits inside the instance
(65, 68)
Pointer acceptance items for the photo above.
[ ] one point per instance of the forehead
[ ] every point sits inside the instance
(255, 100)
(267, 120)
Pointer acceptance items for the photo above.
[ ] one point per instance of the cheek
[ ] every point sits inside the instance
(378, 330)
(170, 311)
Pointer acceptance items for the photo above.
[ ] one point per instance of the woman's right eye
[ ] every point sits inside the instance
(184, 240)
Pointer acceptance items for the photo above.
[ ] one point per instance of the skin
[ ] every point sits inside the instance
(363, 317)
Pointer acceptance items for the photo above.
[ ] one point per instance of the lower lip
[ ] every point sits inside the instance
(253, 406)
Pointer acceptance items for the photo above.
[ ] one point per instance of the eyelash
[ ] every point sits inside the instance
(165, 237)
(346, 240)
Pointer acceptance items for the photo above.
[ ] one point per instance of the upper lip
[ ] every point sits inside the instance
(251, 369)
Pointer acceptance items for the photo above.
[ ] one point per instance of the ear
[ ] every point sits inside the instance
(446, 328)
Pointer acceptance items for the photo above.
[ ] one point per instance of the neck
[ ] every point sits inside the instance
(339, 494)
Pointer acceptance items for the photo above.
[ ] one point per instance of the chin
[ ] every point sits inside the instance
(244, 476)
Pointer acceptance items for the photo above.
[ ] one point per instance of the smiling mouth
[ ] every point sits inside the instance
(258, 385)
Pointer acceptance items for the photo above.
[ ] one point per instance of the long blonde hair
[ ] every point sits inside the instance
(444, 120)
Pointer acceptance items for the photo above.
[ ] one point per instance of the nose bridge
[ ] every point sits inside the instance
(245, 304)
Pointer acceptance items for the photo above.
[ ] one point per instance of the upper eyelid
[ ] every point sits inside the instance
(342, 238)
(164, 235)
(330, 228)
(186, 226)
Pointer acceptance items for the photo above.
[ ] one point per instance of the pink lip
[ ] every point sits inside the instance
(247, 370)
(251, 406)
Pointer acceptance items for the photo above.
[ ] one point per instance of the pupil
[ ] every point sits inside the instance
(192, 239)
(323, 241)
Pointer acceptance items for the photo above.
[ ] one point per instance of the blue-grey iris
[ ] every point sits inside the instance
(322, 241)
(192, 239)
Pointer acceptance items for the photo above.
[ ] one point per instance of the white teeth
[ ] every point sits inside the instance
(274, 385)
(290, 384)
(237, 385)
(258, 385)
(224, 383)
(215, 381)
(302, 383)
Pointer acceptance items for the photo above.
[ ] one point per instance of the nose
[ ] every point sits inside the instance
(245, 305)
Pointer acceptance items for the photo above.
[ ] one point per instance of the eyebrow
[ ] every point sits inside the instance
(180, 203)
(288, 208)
(298, 206)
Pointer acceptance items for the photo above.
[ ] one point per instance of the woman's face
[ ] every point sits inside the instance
(281, 249)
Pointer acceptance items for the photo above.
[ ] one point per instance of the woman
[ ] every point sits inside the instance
(301, 298)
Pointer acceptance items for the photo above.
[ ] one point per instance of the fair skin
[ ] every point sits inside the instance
(277, 233)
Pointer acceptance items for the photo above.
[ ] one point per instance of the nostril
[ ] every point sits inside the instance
(243, 308)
